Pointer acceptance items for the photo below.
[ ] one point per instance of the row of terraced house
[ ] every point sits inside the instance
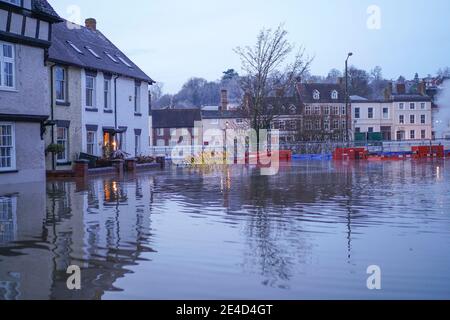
(66, 86)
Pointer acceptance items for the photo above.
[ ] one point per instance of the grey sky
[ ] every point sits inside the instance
(178, 39)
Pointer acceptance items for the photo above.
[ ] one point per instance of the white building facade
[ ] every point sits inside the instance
(100, 100)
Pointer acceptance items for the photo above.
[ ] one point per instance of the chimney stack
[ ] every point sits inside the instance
(388, 92)
(224, 100)
(422, 88)
(91, 23)
(401, 88)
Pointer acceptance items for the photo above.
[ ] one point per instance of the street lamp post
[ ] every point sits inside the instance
(347, 113)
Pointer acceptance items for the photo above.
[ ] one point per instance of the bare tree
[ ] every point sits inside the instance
(268, 71)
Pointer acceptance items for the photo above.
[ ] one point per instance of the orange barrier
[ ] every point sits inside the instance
(422, 152)
(282, 155)
(350, 154)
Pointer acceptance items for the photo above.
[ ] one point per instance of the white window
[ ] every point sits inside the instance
(423, 119)
(62, 140)
(423, 106)
(90, 91)
(239, 121)
(334, 95)
(93, 52)
(308, 110)
(423, 134)
(7, 66)
(401, 119)
(327, 110)
(401, 106)
(336, 110)
(316, 95)
(343, 111)
(137, 145)
(357, 113)
(412, 119)
(412, 134)
(91, 142)
(74, 47)
(160, 132)
(137, 98)
(412, 106)
(370, 113)
(60, 83)
(7, 147)
(107, 94)
(385, 113)
(317, 110)
(124, 62)
(111, 57)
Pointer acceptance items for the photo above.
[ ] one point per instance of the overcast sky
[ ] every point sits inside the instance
(173, 40)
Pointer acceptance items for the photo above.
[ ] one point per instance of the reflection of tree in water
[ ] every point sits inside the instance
(104, 242)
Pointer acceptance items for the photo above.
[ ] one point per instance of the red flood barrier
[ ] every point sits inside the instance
(422, 152)
(350, 154)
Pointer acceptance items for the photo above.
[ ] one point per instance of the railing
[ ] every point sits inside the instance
(303, 148)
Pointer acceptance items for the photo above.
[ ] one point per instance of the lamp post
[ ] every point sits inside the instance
(347, 98)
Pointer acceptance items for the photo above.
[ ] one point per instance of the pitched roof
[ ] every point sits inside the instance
(44, 8)
(306, 92)
(228, 114)
(410, 98)
(84, 38)
(175, 118)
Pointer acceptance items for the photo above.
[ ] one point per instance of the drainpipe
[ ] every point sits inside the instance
(52, 113)
(115, 101)
(115, 110)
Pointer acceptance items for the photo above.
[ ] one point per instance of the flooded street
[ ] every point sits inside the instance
(309, 232)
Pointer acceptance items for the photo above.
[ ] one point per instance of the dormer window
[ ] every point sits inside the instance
(316, 95)
(111, 57)
(74, 47)
(334, 95)
(124, 62)
(293, 109)
(93, 52)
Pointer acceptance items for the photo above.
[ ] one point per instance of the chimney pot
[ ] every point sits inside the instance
(91, 23)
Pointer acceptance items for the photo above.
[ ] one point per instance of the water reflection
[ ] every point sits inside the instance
(228, 232)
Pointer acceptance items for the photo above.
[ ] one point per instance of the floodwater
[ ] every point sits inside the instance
(309, 232)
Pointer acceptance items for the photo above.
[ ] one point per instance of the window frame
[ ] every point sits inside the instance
(93, 89)
(107, 94)
(7, 60)
(137, 98)
(64, 84)
(13, 165)
(137, 145)
(370, 113)
(93, 143)
(66, 145)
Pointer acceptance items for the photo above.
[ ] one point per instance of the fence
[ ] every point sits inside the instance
(305, 149)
